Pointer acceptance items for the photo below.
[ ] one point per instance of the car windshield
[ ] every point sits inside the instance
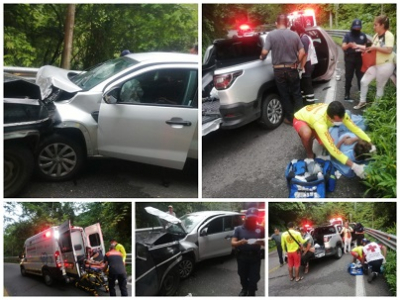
(191, 221)
(100, 72)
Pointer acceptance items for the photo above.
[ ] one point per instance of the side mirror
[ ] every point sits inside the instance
(111, 97)
(203, 232)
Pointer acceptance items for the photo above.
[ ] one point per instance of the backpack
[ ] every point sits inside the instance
(305, 183)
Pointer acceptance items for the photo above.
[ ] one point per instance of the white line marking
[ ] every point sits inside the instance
(360, 289)
(331, 93)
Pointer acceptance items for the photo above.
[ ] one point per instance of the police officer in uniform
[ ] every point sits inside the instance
(113, 260)
(352, 55)
(248, 240)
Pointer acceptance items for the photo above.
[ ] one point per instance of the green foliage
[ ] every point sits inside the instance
(34, 33)
(381, 118)
(115, 219)
(390, 271)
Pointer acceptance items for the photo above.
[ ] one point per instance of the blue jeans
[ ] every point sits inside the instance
(288, 83)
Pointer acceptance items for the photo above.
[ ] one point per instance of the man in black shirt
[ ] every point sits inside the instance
(352, 44)
(113, 260)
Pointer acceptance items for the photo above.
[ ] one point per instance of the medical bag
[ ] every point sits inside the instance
(310, 178)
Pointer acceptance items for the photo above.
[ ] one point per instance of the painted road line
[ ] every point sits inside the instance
(274, 269)
(360, 289)
(331, 93)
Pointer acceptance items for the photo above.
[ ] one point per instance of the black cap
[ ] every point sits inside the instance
(356, 24)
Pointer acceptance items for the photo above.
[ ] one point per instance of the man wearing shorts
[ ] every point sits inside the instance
(313, 121)
(291, 241)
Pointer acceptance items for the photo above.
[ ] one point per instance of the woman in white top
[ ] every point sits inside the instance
(346, 231)
(382, 43)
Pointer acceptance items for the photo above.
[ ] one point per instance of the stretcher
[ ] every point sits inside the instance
(93, 278)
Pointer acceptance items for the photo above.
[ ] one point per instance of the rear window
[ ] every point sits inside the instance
(237, 50)
(94, 240)
(324, 230)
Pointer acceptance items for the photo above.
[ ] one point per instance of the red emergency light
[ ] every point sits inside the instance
(244, 27)
(309, 12)
(48, 234)
(306, 225)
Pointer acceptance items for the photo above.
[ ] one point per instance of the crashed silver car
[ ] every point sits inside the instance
(201, 235)
(140, 107)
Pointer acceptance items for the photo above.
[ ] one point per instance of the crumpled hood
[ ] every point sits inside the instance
(48, 76)
(162, 215)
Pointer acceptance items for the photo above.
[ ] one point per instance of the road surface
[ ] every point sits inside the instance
(112, 178)
(17, 285)
(327, 277)
(250, 162)
(217, 277)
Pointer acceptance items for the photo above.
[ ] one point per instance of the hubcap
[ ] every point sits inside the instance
(57, 160)
(185, 268)
(274, 111)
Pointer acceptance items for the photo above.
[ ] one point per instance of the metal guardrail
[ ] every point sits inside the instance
(16, 259)
(27, 73)
(389, 240)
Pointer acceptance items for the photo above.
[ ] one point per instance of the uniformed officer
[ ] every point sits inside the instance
(248, 240)
(113, 260)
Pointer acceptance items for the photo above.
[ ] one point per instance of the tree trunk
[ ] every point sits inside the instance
(68, 36)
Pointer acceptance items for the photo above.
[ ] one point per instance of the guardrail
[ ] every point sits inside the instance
(16, 259)
(389, 240)
(27, 73)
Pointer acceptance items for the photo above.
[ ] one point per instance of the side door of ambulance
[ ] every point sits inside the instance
(68, 252)
(94, 237)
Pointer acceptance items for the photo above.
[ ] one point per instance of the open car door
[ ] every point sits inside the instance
(94, 237)
(69, 254)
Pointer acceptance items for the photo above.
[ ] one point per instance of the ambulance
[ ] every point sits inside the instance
(58, 253)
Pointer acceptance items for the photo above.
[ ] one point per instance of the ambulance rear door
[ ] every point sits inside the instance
(94, 237)
(68, 252)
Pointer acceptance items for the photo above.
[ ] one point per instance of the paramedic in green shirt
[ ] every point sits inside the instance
(292, 247)
(119, 248)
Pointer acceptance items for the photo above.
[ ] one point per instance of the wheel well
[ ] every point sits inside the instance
(30, 141)
(73, 133)
(190, 255)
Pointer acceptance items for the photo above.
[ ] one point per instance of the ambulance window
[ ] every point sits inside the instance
(94, 240)
(65, 242)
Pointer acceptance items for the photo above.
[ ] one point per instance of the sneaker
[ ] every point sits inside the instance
(370, 275)
(347, 98)
(281, 265)
(360, 105)
(243, 292)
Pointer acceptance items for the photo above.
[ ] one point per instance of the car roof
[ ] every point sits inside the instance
(163, 57)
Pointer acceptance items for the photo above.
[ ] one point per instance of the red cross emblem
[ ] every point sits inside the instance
(371, 248)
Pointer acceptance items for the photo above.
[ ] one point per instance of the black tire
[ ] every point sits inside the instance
(171, 283)
(271, 112)
(19, 163)
(48, 280)
(186, 267)
(23, 271)
(339, 252)
(59, 158)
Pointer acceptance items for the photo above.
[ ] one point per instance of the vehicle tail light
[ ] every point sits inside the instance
(244, 27)
(224, 81)
(58, 259)
(48, 234)
(327, 239)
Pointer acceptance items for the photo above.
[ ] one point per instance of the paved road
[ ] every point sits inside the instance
(217, 277)
(327, 277)
(17, 285)
(109, 178)
(250, 162)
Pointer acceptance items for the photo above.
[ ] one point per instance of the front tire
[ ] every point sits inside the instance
(186, 267)
(59, 158)
(19, 163)
(271, 112)
(171, 283)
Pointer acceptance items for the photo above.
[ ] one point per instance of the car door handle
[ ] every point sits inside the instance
(178, 121)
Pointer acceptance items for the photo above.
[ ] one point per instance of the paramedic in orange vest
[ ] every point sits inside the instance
(116, 271)
(313, 121)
